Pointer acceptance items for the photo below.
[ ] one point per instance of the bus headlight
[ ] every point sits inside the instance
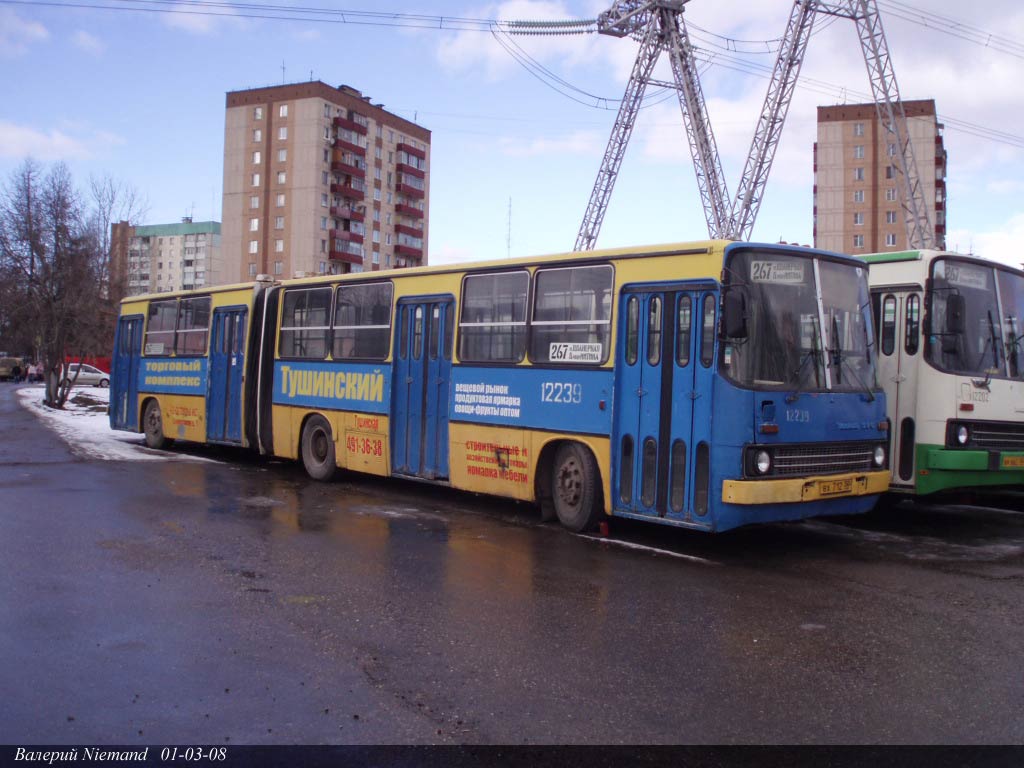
(762, 462)
(879, 456)
(962, 435)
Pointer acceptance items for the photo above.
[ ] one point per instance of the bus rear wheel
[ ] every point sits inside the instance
(318, 449)
(153, 426)
(575, 488)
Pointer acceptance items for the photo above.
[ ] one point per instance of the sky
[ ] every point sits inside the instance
(140, 96)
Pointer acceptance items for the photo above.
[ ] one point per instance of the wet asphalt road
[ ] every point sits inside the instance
(236, 602)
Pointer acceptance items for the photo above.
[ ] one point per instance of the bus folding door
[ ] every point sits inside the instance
(124, 374)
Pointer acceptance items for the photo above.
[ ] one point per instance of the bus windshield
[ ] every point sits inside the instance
(984, 341)
(793, 342)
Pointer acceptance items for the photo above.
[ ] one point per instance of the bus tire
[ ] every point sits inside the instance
(576, 489)
(153, 426)
(318, 449)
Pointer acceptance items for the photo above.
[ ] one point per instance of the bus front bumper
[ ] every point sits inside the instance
(802, 489)
(975, 460)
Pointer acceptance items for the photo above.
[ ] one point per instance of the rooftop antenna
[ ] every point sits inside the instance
(282, 71)
(508, 231)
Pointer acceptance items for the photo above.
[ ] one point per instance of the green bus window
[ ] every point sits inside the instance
(888, 325)
(912, 330)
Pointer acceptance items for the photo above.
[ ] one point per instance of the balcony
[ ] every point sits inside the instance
(351, 170)
(351, 125)
(347, 212)
(354, 148)
(345, 257)
(347, 190)
(403, 168)
(403, 147)
(408, 210)
(346, 236)
(410, 191)
(408, 250)
(411, 231)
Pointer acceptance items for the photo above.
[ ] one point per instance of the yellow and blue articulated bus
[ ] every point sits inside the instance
(706, 385)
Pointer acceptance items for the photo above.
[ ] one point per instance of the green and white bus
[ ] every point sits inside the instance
(950, 330)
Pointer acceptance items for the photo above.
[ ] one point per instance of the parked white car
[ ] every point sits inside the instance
(87, 375)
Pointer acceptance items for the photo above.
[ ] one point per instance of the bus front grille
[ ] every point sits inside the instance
(824, 459)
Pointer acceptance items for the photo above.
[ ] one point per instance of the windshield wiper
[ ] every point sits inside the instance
(838, 359)
(813, 352)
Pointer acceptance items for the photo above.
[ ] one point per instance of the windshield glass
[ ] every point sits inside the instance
(845, 301)
(783, 347)
(1011, 296)
(978, 350)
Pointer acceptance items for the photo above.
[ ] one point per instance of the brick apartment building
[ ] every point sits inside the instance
(318, 179)
(856, 205)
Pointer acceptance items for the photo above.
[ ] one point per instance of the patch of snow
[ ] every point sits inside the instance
(85, 426)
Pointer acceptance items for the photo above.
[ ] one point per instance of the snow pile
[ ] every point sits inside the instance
(85, 427)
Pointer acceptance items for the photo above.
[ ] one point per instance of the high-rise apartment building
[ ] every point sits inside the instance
(319, 180)
(156, 258)
(856, 205)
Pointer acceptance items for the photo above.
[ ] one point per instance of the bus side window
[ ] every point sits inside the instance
(632, 328)
(912, 330)
(707, 340)
(888, 325)
(683, 332)
(654, 331)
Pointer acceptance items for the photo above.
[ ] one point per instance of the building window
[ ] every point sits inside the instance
(858, 129)
(858, 174)
(858, 196)
(280, 200)
(255, 179)
(858, 219)
(279, 246)
(327, 155)
(325, 178)
(890, 217)
(327, 110)
(387, 239)
(253, 246)
(327, 132)
(890, 171)
(254, 225)
(256, 157)
(278, 267)
(323, 199)
(282, 132)
(376, 173)
(892, 150)
(858, 152)
(283, 111)
(391, 138)
(376, 235)
(376, 195)
(890, 239)
(282, 155)
(257, 134)
(376, 214)
(890, 195)
(257, 113)
(323, 222)
(252, 269)
(858, 241)
(323, 267)
(281, 177)
(376, 257)
(323, 246)
(279, 222)
(254, 201)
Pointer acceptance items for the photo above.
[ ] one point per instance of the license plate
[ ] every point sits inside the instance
(835, 487)
(1013, 461)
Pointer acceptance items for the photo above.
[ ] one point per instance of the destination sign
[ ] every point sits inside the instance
(785, 272)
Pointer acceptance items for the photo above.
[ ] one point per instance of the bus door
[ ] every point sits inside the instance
(421, 385)
(663, 402)
(227, 367)
(899, 353)
(124, 374)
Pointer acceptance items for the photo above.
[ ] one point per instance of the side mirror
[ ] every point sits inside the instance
(956, 309)
(734, 314)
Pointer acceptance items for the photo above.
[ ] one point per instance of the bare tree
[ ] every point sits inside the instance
(52, 259)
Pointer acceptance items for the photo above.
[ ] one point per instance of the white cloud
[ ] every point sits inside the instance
(448, 253)
(19, 141)
(184, 17)
(576, 143)
(88, 43)
(18, 34)
(999, 245)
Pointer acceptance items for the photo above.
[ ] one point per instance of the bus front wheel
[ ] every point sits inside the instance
(153, 426)
(318, 449)
(575, 488)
